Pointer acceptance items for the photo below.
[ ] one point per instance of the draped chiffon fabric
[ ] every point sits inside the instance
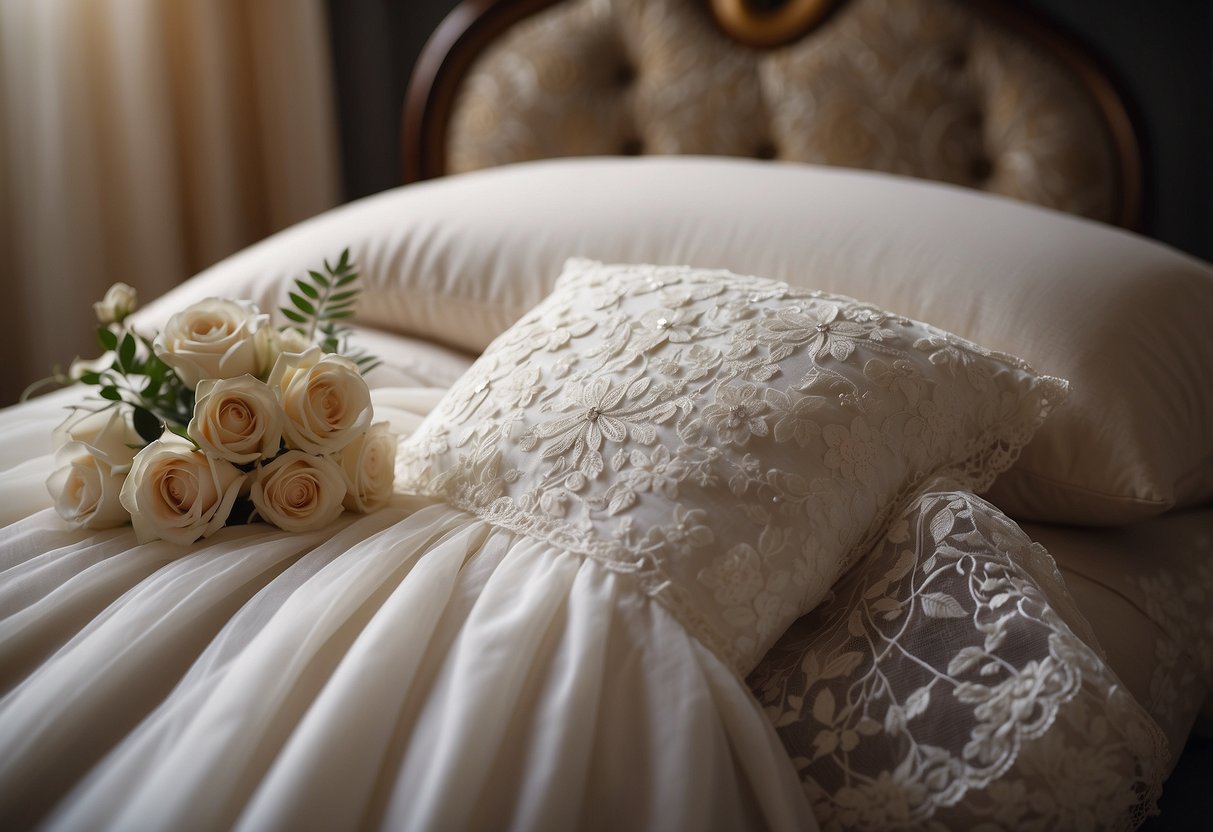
(411, 668)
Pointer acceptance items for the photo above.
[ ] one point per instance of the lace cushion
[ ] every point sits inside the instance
(732, 442)
(949, 683)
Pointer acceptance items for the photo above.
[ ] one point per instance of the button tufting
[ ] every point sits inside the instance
(632, 147)
(625, 75)
(980, 169)
(956, 59)
(766, 150)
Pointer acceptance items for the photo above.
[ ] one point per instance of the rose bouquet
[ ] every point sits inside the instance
(223, 419)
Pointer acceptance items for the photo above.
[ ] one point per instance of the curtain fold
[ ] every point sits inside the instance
(143, 140)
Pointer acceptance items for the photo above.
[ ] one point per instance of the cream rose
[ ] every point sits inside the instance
(120, 300)
(213, 338)
(369, 463)
(237, 419)
(177, 493)
(270, 343)
(88, 426)
(299, 492)
(91, 464)
(325, 398)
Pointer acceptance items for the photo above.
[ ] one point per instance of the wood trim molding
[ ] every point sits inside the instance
(443, 62)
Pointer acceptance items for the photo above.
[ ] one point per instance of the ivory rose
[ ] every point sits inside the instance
(299, 492)
(237, 419)
(177, 493)
(270, 343)
(369, 463)
(120, 300)
(213, 338)
(325, 399)
(91, 463)
(89, 426)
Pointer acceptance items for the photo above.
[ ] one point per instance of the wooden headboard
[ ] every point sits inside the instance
(972, 92)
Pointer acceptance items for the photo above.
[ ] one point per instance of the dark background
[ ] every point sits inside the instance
(1159, 51)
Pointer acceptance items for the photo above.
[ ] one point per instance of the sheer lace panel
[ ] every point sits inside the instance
(942, 687)
(732, 442)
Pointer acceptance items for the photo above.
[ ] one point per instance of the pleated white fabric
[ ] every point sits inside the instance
(415, 668)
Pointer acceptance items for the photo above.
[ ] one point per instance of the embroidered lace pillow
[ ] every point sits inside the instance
(730, 441)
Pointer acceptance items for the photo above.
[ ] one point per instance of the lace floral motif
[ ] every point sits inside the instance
(1179, 599)
(940, 688)
(732, 442)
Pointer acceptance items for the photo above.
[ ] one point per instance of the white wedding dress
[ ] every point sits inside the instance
(415, 668)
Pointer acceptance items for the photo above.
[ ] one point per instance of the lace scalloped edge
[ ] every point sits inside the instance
(995, 451)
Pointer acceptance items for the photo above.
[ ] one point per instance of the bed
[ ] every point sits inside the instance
(854, 638)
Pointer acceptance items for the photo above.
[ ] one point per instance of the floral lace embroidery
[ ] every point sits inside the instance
(1179, 600)
(939, 688)
(732, 442)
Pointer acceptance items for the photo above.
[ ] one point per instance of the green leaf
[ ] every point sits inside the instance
(301, 304)
(147, 425)
(126, 353)
(340, 314)
(155, 369)
(293, 315)
(111, 393)
(307, 289)
(107, 338)
(349, 278)
(90, 377)
(320, 279)
(344, 262)
(341, 297)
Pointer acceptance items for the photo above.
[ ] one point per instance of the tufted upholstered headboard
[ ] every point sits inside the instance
(970, 92)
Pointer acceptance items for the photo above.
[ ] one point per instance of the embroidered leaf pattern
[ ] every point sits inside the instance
(957, 726)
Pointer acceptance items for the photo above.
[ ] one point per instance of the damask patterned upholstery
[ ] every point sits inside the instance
(926, 88)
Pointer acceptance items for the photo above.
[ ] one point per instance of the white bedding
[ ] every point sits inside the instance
(262, 679)
(203, 622)
(201, 690)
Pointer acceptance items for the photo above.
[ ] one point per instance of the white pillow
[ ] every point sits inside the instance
(731, 443)
(1124, 319)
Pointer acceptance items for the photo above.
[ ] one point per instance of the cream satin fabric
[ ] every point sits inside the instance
(415, 668)
(142, 140)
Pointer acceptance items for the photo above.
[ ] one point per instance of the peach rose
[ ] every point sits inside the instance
(177, 493)
(237, 419)
(299, 492)
(369, 463)
(213, 338)
(325, 398)
(92, 461)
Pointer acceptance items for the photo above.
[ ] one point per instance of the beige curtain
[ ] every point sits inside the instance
(142, 140)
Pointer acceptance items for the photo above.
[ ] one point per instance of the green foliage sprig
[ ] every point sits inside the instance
(137, 377)
(323, 301)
